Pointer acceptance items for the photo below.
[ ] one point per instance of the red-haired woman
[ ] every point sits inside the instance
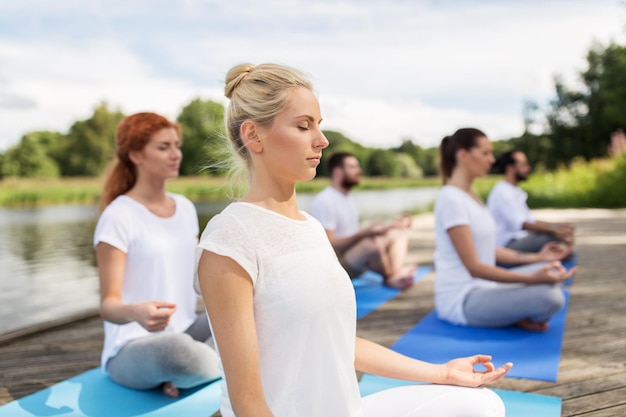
(145, 241)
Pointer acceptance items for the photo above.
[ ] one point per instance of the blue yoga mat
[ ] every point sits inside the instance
(371, 293)
(93, 394)
(535, 355)
(518, 404)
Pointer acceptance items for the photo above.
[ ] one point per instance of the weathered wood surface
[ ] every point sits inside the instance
(592, 375)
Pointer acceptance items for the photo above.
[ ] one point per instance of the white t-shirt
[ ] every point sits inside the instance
(159, 263)
(453, 281)
(336, 211)
(304, 309)
(510, 211)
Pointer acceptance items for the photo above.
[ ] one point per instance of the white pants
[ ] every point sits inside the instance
(433, 401)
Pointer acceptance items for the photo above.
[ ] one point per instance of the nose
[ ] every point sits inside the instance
(176, 153)
(321, 142)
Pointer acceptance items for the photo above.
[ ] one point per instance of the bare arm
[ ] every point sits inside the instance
(551, 251)
(227, 292)
(152, 315)
(379, 360)
(461, 238)
(341, 245)
(562, 231)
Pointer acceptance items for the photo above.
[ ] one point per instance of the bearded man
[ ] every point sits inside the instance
(380, 247)
(516, 226)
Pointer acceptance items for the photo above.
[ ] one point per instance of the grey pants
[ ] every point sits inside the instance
(533, 242)
(507, 304)
(184, 359)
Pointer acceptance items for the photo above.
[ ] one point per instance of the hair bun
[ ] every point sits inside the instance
(235, 76)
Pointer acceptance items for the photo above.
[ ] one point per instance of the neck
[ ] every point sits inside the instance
(280, 198)
(510, 179)
(341, 189)
(148, 191)
(461, 180)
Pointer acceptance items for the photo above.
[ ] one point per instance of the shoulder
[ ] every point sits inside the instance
(449, 192)
(450, 200)
(122, 206)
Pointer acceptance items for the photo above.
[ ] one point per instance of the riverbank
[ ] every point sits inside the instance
(20, 192)
(591, 380)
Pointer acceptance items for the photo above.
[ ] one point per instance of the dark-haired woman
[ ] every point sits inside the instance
(469, 288)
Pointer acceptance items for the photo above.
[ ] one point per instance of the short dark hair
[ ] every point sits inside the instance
(336, 161)
(505, 160)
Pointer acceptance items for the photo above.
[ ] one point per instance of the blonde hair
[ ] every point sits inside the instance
(256, 93)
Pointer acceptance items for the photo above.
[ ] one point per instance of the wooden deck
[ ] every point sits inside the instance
(592, 375)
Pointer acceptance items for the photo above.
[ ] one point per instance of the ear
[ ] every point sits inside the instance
(250, 136)
(461, 154)
(135, 157)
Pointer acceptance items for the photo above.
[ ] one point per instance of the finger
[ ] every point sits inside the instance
(489, 367)
(164, 304)
(497, 374)
(480, 359)
(571, 272)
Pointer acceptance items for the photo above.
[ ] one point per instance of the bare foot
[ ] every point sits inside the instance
(533, 326)
(404, 279)
(170, 390)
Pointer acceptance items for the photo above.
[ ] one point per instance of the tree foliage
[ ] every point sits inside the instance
(580, 121)
(89, 147)
(30, 158)
(203, 137)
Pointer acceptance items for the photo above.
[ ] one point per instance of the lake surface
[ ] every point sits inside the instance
(47, 262)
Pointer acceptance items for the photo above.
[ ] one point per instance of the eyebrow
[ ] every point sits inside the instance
(308, 117)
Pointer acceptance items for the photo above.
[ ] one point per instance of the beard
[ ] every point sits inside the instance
(519, 177)
(348, 183)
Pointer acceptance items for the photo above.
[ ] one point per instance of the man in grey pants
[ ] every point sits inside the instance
(516, 226)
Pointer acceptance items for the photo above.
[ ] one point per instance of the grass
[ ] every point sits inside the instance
(598, 183)
(21, 192)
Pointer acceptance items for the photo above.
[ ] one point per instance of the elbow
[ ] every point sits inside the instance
(474, 269)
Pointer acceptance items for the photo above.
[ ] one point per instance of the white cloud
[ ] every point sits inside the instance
(385, 70)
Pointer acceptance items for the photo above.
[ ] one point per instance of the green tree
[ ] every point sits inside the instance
(407, 168)
(90, 145)
(425, 158)
(339, 142)
(382, 163)
(581, 121)
(29, 158)
(203, 137)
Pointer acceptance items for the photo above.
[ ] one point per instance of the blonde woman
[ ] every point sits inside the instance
(281, 307)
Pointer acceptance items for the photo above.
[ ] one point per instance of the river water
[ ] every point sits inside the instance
(47, 262)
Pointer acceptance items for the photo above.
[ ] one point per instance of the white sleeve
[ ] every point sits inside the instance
(114, 228)
(505, 210)
(451, 211)
(226, 236)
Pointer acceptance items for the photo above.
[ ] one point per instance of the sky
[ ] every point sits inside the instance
(384, 70)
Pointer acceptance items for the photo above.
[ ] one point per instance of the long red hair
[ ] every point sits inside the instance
(133, 134)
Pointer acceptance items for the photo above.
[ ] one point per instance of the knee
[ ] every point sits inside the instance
(552, 299)
(555, 297)
(179, 352)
